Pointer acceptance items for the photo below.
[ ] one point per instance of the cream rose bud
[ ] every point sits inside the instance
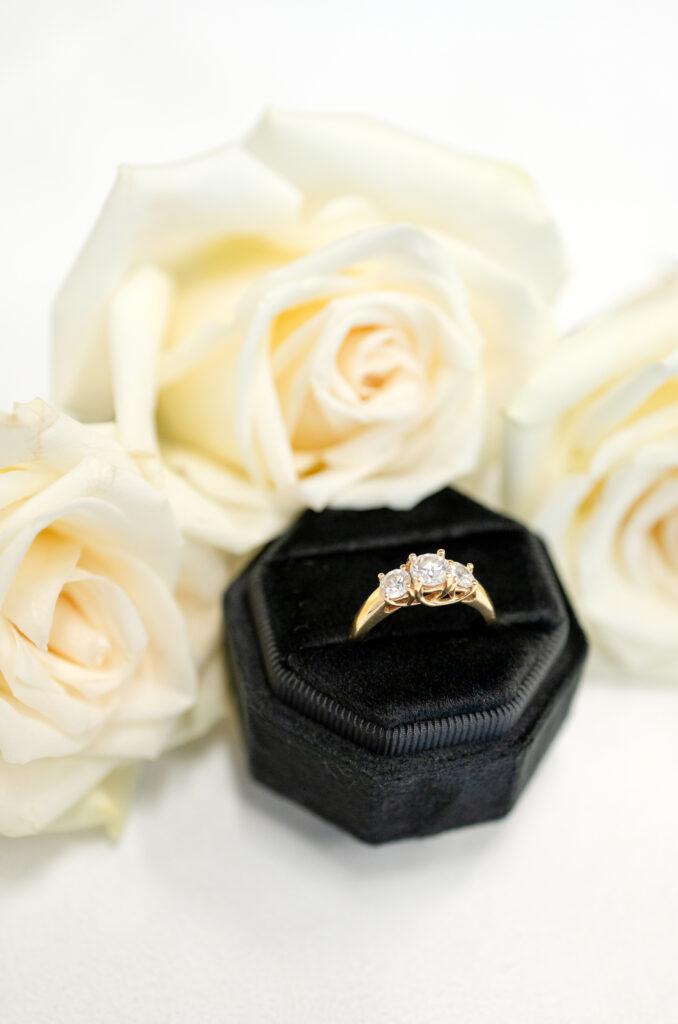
(96, 666)
(332, 313)
(592, 461)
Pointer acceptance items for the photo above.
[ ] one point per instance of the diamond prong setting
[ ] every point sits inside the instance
(428, 569)
(395, 585)
(430, 579)
(462, 575)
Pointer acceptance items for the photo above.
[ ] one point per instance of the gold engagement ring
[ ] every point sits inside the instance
(432, 580)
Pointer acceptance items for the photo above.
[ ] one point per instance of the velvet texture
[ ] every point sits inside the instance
(434, 720)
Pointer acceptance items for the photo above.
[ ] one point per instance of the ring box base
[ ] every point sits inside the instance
(433, 721)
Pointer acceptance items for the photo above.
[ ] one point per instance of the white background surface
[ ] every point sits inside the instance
(222, 902)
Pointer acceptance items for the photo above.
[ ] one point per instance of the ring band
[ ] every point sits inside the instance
(430, 579)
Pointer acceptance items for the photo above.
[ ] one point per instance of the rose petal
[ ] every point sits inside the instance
(105, 805)
(32, 796)
(494, 207)
(153, 215)
(645, 559)
(35, 588)
(203, 581)
(218, 507)
(99, 504)
(211, 705)
(138, 318)
(45, 443)
(602, 352)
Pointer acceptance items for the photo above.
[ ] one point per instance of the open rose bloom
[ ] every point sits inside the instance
(592, 461)
(330, 313)
(105, 646)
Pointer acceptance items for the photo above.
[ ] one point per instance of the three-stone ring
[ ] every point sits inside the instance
(432, 580)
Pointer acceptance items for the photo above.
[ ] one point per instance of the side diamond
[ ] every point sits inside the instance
(394, 584)
(463, 577)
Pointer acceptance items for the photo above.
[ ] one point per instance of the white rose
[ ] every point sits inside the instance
(97, 667)
(332, 313)
(592, 461)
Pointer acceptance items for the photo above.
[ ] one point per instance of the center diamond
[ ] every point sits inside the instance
(429, 569)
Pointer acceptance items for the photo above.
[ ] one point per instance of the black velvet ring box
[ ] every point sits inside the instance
(434, 720)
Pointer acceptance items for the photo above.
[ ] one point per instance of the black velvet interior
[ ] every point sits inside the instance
(420, 663)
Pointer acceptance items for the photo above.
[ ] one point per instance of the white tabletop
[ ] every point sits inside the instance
(222, 901)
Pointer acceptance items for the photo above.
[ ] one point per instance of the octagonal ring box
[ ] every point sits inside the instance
(434, 720)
